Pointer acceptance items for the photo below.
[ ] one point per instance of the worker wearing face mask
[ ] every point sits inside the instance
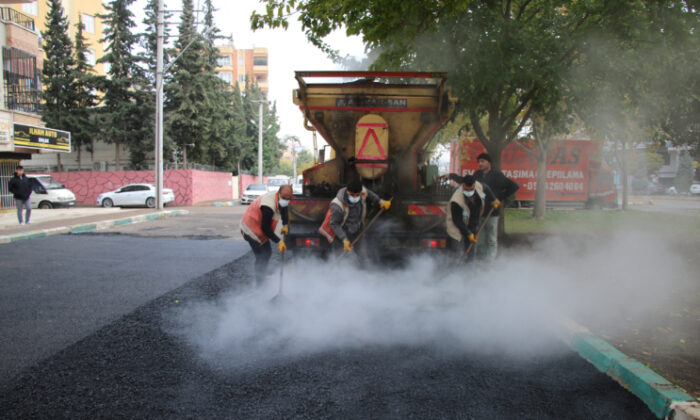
(265, 220)
(465, 208)
(347, 213)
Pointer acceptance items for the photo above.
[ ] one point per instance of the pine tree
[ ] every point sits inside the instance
(272, 148)
(243, 146)
(189, 92)
(122, 119)
(58, 72)
(81, 122)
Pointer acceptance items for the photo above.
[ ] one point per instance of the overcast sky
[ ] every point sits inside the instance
(288, 51)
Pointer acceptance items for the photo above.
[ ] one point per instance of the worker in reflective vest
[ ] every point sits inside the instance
(265, 220)
(347, 212)
(463, 212)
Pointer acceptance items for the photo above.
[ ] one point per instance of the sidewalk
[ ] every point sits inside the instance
(48, 222)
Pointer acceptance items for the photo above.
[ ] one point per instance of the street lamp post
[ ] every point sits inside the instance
(260, 137)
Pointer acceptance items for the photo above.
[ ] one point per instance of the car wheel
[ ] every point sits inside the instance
(150, 202)
(107, 202)
(45, 205)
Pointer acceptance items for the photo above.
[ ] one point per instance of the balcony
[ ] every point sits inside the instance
(21, 81)
(11, 15)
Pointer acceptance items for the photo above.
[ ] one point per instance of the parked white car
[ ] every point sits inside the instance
(134, 195)
(48, 193)
(253, 191)
(695, 188)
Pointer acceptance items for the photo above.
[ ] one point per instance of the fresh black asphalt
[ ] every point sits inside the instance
(132, 366)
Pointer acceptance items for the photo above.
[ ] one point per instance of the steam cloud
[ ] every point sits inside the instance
(508, 308)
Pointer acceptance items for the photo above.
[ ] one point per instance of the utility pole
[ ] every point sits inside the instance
(260, 139)
(159, 104)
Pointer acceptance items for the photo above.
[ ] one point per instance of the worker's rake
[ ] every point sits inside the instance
(471, 245)
(362, 233)
(279, 297)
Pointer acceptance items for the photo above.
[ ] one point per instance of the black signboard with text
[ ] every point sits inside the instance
(41, 138)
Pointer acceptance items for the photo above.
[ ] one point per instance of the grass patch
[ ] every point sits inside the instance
(575, 221)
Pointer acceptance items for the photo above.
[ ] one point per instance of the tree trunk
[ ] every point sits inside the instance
(116, 157)
(184, 157)
(80, 167)
(539, 209)
(58, 162)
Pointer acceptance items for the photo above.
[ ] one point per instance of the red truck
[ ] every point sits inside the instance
(574, 176)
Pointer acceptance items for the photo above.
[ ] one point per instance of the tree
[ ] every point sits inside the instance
(81, 121)
(272, 148)
(684, 176)
(189, 92)
(58, 74)
(122, 119)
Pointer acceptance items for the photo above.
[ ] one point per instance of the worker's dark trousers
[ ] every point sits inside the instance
(460, 246)
(262, 257)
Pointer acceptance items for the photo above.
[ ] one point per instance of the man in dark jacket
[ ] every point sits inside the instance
(502, 188)
(21, 188)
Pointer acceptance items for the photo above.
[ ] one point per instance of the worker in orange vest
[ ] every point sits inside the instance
(266, 220)
(347, 212)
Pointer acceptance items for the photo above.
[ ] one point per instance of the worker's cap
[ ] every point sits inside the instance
(355, 186)
(484, 156)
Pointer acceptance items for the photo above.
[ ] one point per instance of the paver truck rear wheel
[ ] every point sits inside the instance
(107, 202)
(150, 202)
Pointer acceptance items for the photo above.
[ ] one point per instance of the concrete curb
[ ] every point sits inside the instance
(662, 397)
(89, 227)
(224, 203)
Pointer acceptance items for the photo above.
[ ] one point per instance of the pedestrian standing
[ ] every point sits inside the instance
(265, 220)
(21, 188)
(502, 188)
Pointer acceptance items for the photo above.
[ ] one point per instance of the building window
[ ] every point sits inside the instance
(241, 77)
(224, 60)
(241, 61)
(90, 57)
(226, 77)
(30, 8)
(88, 23)
(260, 61)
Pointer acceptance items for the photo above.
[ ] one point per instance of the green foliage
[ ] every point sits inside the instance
(122, 120)
(684, 176)
(81, 120)
(58, 74)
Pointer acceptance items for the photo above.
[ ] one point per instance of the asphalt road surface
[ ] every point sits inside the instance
(87, 332)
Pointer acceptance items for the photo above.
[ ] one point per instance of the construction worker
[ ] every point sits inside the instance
(265, 220)
(464, 211)
(347, 212)
(502, 188)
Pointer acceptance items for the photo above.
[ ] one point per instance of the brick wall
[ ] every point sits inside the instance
(190, 186)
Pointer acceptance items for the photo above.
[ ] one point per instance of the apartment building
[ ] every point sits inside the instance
(235, 64)
(22, 133)
(73, 9)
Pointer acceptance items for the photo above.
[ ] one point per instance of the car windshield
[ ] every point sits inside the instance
(49, 183)
(256, 187)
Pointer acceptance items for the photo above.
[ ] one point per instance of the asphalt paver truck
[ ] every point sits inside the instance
(379, 126)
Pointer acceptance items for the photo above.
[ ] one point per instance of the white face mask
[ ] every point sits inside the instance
(282, 202)
(353, 200)
(469, 193)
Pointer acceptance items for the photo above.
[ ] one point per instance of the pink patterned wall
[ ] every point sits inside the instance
(190, 186)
